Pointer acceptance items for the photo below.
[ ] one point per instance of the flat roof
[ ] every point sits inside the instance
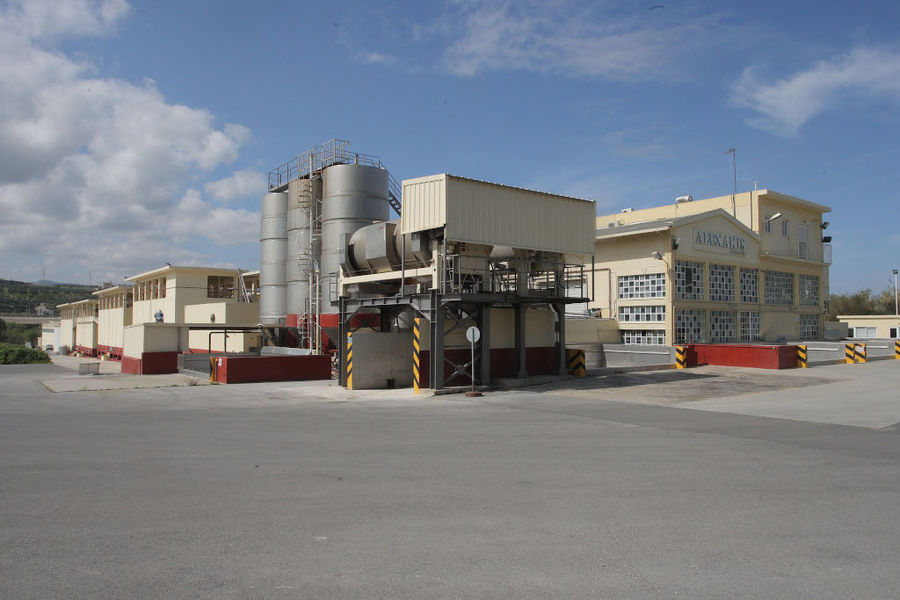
(172, 268)
(112, 289)
(663, 224)
(437, 176)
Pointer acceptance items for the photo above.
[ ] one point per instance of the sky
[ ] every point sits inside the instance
(138, 133)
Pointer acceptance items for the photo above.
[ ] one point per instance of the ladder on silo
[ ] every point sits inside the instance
(308, 321)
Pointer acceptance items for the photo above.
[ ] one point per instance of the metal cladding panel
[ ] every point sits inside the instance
(487, 213)
(424, 203)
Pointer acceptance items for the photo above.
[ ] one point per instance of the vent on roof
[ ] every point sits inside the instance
(682, 199)
(627, 210)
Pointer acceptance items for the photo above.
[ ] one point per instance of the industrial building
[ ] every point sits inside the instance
(739, 268)
(336, 274)
(449, 281)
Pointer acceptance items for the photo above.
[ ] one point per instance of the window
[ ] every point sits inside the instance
(803, 242)
(721, 283)
(162, 287)
(642, 314)
(749, 285)
(748, 324)
(688, 280)
(644, 337)
(785, 227)
(220, 286)
(809, 327)
(722, 327)
(865, 332)
(650, 285)
(768, 224)
(688, 326)
(809, 290)
(779, 287)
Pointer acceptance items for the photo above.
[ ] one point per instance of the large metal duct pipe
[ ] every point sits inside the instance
(273, 257)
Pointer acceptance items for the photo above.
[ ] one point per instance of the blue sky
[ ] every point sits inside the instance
(134, 134)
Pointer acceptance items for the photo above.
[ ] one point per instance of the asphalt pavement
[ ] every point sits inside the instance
(635, 485)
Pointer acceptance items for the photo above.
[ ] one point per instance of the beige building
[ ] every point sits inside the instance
(743, 268)
(205, 298)
(114, 306)
(83, 321)
(871, 326)
(66, 326)
(170, 289)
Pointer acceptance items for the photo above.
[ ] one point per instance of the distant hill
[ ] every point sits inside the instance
(19, 297)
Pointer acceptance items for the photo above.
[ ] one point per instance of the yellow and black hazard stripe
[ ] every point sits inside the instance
(680, 357)
(897, 350)
(349, 361)
(850, 354)
(860, 351)
(417, 323)
(802, 361)
(575, 363)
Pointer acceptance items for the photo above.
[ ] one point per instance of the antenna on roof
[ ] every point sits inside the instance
(733, 152)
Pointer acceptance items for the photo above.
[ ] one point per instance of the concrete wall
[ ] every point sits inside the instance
(380, 357)
(86, 333)
(67, 332)
(591, 331)
(111, 324)
(223, 313)
(153, 337)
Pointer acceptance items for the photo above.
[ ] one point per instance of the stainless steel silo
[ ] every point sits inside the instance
(353, 196)
(273, 258)
(301, 254)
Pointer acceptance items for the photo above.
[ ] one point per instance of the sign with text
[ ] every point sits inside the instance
(713, 239)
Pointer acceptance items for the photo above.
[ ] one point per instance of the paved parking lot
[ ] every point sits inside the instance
(705, 483)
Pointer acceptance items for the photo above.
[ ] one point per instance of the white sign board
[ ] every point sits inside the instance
(473, 334)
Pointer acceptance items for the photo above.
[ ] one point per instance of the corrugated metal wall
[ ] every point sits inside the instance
(424, 203)
(487, 213)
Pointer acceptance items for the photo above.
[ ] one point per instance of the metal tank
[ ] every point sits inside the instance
(273, 258)
(353, 196)
(301, 256)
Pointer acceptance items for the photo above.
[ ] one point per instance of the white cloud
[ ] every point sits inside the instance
(51, 18)
(96, 163)
(240, 184)
(568, 38)
(787, 104)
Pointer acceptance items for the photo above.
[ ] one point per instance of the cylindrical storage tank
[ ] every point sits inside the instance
(353, 196)
(273, 258)
(300, 255)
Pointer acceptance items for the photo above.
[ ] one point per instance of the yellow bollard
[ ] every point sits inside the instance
(802, 362)
(349, 361)
(897, 349)
(850, 354)
(860, 353)
(575, 363)
(680, 357)
(417, 322)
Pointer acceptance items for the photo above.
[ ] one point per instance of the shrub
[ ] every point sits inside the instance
(11, 354)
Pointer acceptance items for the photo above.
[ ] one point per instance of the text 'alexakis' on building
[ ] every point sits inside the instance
(742, 268)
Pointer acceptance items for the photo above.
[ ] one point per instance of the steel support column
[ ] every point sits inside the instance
(484, 324)
(521, 369)
(437, 344)
(560, 310)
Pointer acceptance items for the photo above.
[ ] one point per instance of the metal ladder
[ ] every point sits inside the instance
(243, 295)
